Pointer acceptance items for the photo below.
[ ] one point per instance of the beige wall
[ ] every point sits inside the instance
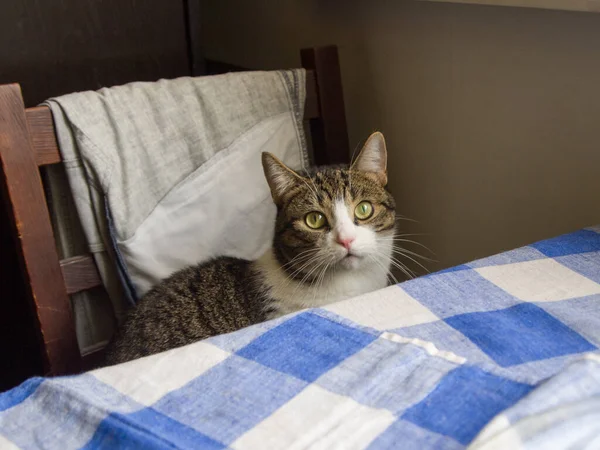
(492, 114)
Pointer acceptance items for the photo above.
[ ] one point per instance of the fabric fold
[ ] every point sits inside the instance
(167, 174)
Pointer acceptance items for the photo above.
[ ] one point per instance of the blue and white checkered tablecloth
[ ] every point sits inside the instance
(498, 353)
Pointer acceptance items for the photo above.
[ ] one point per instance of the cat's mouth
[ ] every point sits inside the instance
(350, 260)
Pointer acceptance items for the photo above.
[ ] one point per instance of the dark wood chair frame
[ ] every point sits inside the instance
(28, 142)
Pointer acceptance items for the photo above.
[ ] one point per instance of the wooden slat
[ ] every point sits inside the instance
(21, 187)
(80, 274)
(194, 36)
(43, 137)
(329, 132)
(311, 107)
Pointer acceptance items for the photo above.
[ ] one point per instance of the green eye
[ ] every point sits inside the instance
(363, 210)
(315, 220)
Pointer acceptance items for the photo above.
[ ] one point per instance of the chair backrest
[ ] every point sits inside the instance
(28, 142)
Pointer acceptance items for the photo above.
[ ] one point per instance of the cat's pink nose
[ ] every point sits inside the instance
(345, 242)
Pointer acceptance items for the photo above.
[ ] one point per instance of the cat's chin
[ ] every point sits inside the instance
(350, 262)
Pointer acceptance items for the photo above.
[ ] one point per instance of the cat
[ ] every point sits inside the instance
(333, 240)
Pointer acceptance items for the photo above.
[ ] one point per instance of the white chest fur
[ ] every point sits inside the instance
(290, 295)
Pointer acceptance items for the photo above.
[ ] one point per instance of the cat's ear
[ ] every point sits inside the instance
(372, 159)
(279, 176)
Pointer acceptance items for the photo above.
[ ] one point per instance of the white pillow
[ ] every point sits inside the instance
(224, 208)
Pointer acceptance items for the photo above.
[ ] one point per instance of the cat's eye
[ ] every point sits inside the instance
(363, 210)
(315, 220)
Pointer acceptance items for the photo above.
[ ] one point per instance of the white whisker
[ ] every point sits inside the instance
(315, 260)
(385, 270)
(409, 252)
(319, 281)
(409, 273)
(416, 243)
(301, 256)
(317, 266)
(408, 219)
(396, 239)
(413, 260)
(397, 264)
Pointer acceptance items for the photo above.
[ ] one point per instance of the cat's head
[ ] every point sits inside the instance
(333, 218)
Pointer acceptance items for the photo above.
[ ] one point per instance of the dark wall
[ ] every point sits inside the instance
(60, 46)
(53, 47)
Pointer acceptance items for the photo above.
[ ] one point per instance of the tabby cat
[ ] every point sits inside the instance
(333, 240)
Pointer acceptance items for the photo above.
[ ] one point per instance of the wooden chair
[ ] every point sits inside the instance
(28, 142)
